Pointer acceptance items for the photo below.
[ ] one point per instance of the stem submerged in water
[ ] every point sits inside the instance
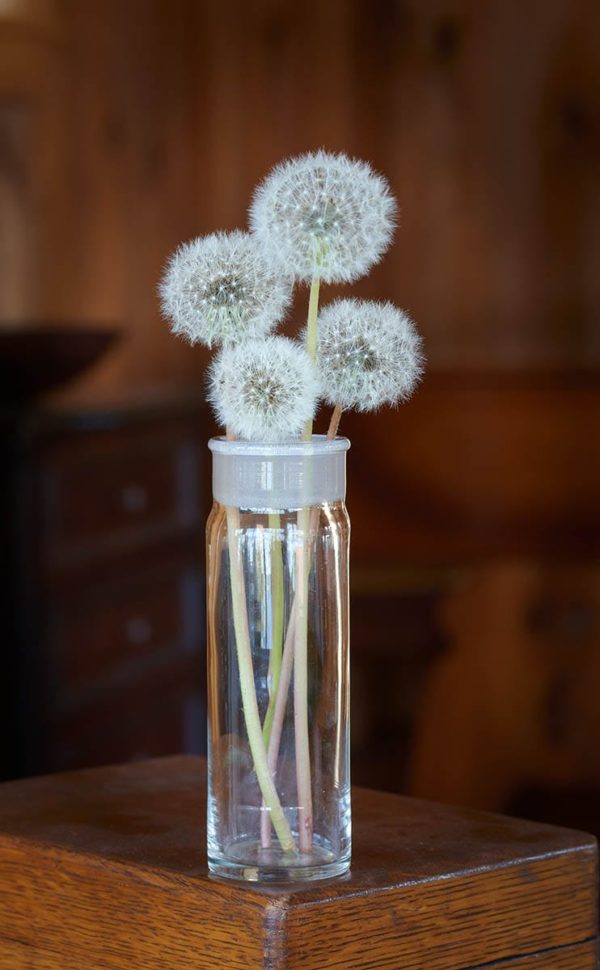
(214, 564)
(276, 621)
(279, 697)
(303, 780)
(249, 702)
(280, 703)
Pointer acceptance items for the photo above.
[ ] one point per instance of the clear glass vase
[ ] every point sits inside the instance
(278, 661)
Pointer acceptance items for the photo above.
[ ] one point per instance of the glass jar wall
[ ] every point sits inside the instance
(278, 677)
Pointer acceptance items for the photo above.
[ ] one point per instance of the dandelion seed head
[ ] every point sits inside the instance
(368, 354)
(264, 390)
(323, 215)
(220, 288)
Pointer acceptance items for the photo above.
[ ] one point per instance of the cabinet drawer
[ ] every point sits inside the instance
(100, 495)
(120, 629)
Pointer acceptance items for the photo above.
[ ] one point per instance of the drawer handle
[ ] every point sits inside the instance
(134, 498)
(139, 630)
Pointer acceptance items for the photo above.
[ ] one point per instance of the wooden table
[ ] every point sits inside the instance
(106, 869)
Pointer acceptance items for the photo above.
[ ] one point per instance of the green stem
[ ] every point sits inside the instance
(277, 622)
(249, 702)
(311, 335)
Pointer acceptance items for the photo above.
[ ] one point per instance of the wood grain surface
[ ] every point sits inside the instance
(582, 956)
(106, 868)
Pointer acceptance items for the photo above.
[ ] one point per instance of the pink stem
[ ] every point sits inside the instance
(303, 779)
(285, 675)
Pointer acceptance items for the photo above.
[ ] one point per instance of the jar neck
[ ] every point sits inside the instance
(277, 477)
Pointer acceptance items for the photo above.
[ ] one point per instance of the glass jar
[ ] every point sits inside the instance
(278, 661)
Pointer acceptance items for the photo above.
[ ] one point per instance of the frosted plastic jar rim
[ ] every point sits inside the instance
(283, 475)
(318, 445)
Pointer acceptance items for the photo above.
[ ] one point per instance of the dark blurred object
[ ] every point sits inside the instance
(103, 604)
(35, 361)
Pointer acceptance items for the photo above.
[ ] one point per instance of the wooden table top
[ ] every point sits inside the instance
(107, 868)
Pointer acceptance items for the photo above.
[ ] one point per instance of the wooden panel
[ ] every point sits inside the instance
(513, 701)
(458, 925)
(145, 123)
(477, 466)
(482, 688)
(109, 867)
(396, 638)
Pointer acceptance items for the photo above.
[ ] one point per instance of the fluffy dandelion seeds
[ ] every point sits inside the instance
(220, 288)
(369, 354)
(323, 215)
(264, 390)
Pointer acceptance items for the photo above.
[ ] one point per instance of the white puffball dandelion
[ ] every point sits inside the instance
(220, 288)
(324, 216)
(369, 354)
(264, 390)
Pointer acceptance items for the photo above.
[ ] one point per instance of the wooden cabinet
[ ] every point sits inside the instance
(478, 685)
(122, 624)
(104, 602)
(395, 640)
(107, 868)
(108, 491)
(476, 594)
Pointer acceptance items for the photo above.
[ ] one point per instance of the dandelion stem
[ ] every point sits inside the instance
(214, 558)
(311, 335)
(311, 323)
(249, 701)
(301, 632)
(303, 781)
(280, 702)
(336, 417)
(283, 686)
(247, 686)
(275, 654)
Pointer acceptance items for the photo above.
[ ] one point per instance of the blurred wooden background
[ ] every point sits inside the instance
(126, 127)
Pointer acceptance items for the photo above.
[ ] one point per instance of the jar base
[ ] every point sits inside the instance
(249, 862)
